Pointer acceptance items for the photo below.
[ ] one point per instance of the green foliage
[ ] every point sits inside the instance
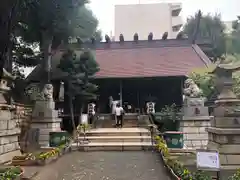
(98, 35)
(236, 176)
(212, 28)
(235, 37)
(80, 72)
(178, 169)
(169, 118)
(57, 19)
(25, 54)
(205, 82)
(10, 173)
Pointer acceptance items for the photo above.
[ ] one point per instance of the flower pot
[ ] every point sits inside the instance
(26, 162)
(174, 139)
(41, 162)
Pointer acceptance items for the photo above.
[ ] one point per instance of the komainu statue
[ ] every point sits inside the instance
(191, 89)
(34, 92)
(48, 92)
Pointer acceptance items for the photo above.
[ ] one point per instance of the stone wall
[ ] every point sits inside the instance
(195, 135)
(8, 135)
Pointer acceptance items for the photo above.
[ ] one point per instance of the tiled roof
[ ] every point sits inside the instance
(149, 62)
(142, 59)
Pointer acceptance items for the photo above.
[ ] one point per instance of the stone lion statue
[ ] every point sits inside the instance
(34, 92)
(48, 92)
(191, 89)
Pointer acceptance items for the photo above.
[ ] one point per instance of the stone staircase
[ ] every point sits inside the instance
(129, 120)
(115, 139)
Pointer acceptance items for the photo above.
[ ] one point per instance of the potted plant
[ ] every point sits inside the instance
(170, 116)
(12, 173)
(25, 160)
(46, 157)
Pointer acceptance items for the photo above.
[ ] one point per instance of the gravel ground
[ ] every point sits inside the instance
(138, 165)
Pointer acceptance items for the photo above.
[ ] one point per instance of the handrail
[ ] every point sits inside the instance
(95, 119)
(151, 119)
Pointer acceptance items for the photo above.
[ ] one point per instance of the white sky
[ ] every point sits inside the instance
(104, 9)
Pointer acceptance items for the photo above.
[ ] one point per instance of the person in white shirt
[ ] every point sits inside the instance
(119, 115)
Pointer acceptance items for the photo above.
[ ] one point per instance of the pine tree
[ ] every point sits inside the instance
(79, 73)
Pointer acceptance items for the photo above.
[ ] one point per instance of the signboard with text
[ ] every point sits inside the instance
(207, 160)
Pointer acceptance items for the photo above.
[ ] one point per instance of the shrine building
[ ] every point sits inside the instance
(136, 71)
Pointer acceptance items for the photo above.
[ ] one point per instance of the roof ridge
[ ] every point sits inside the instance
(201, 55)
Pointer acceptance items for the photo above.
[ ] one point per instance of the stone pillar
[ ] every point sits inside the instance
(9, 132)
(194, 123)
(224, 133)
(44, 115)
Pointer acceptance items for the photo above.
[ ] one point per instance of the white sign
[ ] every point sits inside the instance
(208, 160)
(84, 119)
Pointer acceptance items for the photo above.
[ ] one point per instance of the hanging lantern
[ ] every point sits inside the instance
(150, 107)
(91, 109)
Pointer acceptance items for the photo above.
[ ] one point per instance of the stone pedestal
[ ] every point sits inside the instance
(195, 135)
(194, 107)
(224, 133)
(45, 117)
(9, 132)
(194, 122)
(8, 135)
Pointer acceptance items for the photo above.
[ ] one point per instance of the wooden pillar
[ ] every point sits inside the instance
(121, 98)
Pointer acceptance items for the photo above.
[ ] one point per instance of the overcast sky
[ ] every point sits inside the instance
(104, 9)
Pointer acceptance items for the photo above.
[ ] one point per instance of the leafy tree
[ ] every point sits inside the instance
(235, 37)
(9, 11)
(212, 28)
(89, 67)
(206, 81)
(50, 22)
(98, 35)
(79, 72)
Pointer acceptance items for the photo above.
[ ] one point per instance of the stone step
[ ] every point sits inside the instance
(113, 146)
(126, 123)
(118, 132)
(103, 139)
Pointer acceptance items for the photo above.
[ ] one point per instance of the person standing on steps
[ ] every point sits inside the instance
(119, 115)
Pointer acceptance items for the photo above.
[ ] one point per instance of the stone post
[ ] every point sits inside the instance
(224, 133)
(9, 132)
(195, 120)
(44, 115)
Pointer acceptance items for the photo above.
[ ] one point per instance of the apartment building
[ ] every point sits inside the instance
(228, 27)
(145, 18)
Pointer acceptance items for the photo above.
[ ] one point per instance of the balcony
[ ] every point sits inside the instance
(176, 9)
(176, 28)
(176, 21)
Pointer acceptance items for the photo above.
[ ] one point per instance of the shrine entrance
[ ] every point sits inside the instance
(138, 91)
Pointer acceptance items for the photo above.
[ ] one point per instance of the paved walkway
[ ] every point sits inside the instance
(127, 165)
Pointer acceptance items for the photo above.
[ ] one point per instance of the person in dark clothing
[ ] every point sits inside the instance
(119, 115)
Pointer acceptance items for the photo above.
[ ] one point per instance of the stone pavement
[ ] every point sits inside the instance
(128, 165)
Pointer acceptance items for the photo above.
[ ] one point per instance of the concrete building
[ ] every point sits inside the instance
(228, 25)
(145, 18)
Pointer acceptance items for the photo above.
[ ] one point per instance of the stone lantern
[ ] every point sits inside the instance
(9, 131)
(224, 133)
